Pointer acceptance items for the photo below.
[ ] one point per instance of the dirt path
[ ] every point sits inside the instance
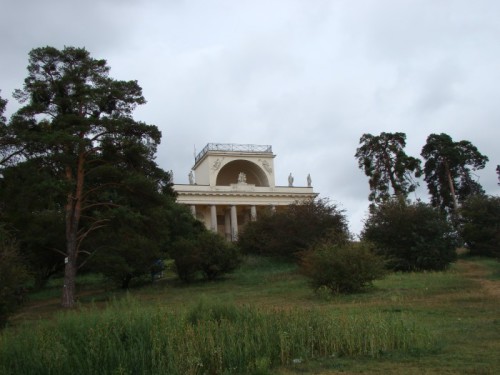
(478, 273)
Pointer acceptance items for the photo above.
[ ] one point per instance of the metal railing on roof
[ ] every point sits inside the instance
(232, 147)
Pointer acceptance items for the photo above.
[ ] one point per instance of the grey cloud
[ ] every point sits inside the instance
(307, 77)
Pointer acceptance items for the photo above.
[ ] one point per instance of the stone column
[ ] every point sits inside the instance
(193, 210)
(253, 213)
(234, 224)
(227, 224)
(213, 218)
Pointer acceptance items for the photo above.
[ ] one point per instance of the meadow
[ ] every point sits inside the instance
(264, 319)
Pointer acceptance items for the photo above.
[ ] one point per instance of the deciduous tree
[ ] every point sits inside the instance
(13, 276)
(31, 202)
(480, 225)
(205, 253)
(411, 236)
(294, 229)
(387, 166)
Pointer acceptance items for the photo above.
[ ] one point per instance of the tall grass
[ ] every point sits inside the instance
(206, 338)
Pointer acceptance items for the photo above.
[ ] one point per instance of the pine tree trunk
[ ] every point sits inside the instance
(452, 187)
(68, 293)
(69, 289)
(395, 187)
(73, 214)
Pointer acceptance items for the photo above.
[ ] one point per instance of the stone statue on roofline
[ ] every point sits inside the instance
(290, 180)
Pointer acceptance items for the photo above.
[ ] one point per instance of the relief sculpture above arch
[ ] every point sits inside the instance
(266, 166)
(216, 165)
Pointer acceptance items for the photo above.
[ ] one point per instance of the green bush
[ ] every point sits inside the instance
(344, 268)
(296, 228)
(480, 225)
(207, 254)
(185, 254)
(13, 277)
(411, 236)
(217, 256)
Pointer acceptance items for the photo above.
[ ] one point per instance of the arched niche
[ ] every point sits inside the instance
(229, 173)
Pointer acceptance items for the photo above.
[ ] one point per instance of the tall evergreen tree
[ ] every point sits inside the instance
(7, 149)
(447, 170)
(77, 122)
(3, 129)
(387, 166)
(3, 104)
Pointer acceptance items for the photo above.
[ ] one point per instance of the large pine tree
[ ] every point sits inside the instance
(384, 161)
(77, 123)
(448, 170)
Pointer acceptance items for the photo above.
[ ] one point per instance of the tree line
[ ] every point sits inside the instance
(447, 170)
(398, 234)
(471, 216)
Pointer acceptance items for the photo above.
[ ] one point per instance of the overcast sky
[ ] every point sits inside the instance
(308, 77)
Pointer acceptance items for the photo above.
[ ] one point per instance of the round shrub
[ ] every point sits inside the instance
(347, 268)
(186, 258)
(208, 254)
(411, 236)
(217, 255)
(480, 225)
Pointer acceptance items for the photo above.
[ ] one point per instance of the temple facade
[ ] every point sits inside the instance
(231, 184)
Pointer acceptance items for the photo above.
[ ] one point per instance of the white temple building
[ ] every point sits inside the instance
(230, 184)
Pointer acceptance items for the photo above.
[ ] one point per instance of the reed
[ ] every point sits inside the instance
(205, 338)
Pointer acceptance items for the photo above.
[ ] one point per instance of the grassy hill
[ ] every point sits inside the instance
(264, 319)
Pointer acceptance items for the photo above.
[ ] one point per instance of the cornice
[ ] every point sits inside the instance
(245, 194)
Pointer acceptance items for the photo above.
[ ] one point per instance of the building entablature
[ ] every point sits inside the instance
(246, 188)
(277, 197)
